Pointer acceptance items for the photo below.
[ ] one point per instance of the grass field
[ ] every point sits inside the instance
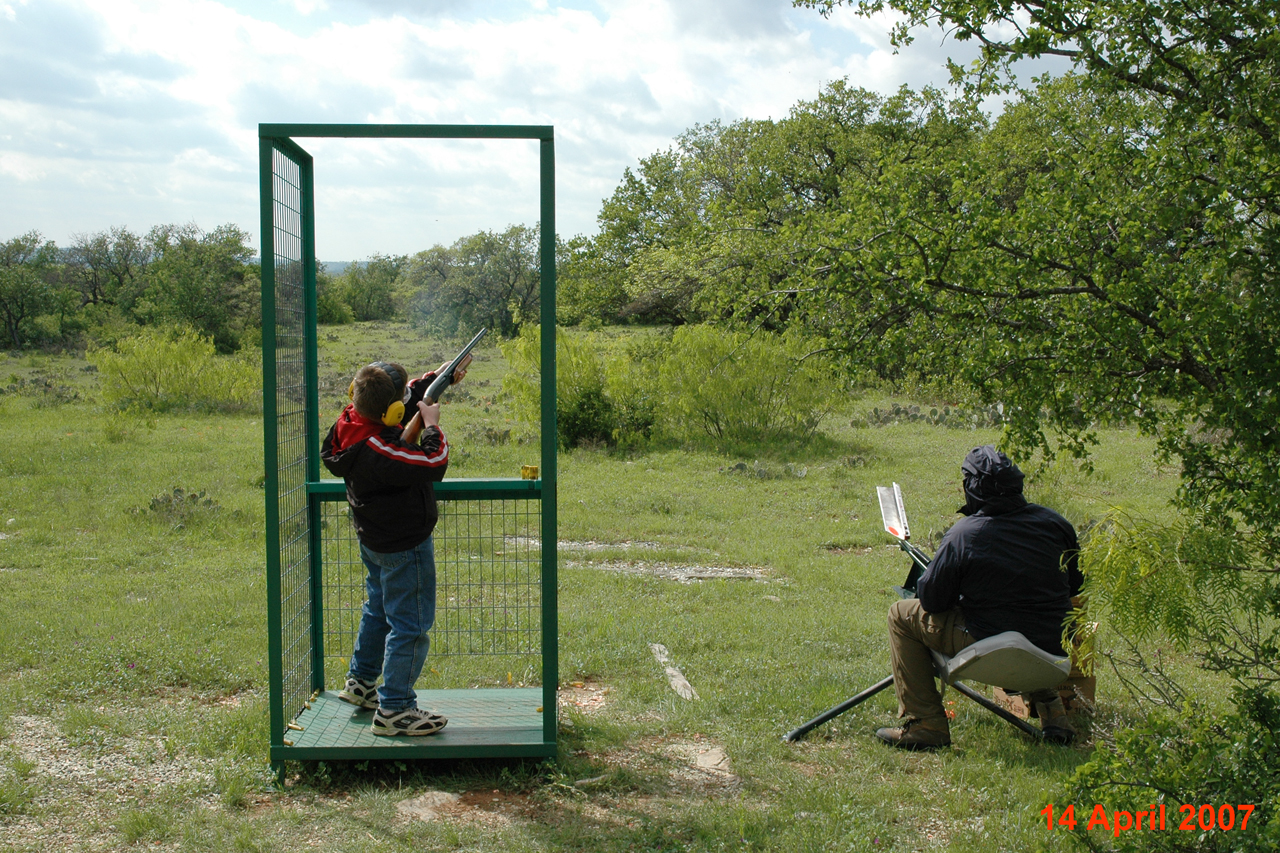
(133, 709)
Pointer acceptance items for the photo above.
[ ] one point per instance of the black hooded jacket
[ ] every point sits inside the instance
(1008, 565)
(388, 479)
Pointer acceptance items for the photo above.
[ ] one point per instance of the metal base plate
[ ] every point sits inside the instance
(488, 723)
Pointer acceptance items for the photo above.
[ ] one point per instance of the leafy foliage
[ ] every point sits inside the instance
(1190, 757)
(584, 414)
(176, 369)
(331, 305)
(702, 382)
(369, 289)
(204, 281)
(743, 387)
(27, 284)
(486, 280)
(1205, 585)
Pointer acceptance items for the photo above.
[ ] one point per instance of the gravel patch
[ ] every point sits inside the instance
(589, 545)
(672, 571)
(85, 786)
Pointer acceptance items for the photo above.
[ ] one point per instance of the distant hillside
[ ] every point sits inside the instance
(339, 267)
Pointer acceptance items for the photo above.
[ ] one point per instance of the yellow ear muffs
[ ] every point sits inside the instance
(394, 413)
(351, 391)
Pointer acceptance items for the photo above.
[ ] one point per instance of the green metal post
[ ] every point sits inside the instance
(550, 603)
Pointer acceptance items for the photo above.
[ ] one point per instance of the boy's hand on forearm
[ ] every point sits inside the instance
(430, 413)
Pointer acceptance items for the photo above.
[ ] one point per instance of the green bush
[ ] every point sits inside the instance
(584, 413)
(331, 307)
(177, 369)
(728, 385)
(632, 383)
(1192, 758)
(743, 387)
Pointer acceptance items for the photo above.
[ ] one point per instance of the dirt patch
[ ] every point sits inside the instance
(700, 766)
(672, 571)
(492, 809)
(684, 767)
(587, 697)
(845, 550)
(589, 545)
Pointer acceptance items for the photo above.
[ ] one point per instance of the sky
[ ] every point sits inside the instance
(138, 113)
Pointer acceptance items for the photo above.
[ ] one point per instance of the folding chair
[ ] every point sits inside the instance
(1008, 661)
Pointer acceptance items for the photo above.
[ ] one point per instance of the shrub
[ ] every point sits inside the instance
(162, 370)
(584, 414)
(731, 386)
(743, 387)
(632, 384)
(1193, 758)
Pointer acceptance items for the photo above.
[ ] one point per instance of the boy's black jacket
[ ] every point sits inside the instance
(388, 480)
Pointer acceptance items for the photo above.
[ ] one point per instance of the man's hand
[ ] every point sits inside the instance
(430, 413)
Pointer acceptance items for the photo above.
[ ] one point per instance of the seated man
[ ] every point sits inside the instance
(1008, 565)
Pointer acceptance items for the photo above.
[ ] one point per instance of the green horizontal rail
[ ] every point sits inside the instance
(408, 131)
(461, 489)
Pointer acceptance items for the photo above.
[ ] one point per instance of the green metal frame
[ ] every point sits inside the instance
(289, 324)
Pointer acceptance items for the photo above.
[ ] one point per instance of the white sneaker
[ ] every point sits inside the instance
(359, 692)
(410, 721)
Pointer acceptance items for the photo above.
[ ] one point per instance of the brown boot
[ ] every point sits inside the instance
(915, 735)
(1054, 723)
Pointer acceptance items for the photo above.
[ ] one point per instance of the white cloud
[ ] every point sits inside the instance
(145, 111)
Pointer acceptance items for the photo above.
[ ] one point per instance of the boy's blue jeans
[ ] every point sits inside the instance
(399, 611)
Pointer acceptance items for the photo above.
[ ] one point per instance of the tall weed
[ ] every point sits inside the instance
(177, 369)
(584, 413)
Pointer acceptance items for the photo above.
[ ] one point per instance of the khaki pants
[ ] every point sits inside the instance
(912, 633)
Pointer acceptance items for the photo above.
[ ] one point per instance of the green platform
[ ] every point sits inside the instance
(495, 722)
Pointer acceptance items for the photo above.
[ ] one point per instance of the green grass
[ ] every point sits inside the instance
(132, 637)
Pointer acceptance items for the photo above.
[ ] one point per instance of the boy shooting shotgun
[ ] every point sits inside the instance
(389, 467)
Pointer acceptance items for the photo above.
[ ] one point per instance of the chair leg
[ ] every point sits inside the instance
(997, 710)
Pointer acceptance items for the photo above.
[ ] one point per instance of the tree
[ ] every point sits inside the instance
(719, 225)
(588, 289)
(370, 289)
(109, 266)
(1121, 249)
(27, 266)
(1110, 250)
(203, 280)
(489, 280)
(331, 308)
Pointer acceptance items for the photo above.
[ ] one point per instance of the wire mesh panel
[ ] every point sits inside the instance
(488, 627)
(290, 433)
(488, 556)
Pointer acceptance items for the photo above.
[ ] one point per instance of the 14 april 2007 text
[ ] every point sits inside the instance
(1224, 817)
